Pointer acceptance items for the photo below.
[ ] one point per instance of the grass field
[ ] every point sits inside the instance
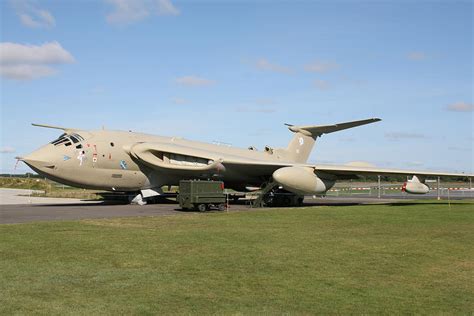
(406, 258)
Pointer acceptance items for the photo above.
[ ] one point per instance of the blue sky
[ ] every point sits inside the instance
(235, 71)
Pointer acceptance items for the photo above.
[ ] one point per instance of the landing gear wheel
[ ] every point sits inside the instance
(262, 204)
(300, 201)
(221, 207)
(202, 207)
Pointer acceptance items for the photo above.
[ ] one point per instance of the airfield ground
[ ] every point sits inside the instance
(401, 257)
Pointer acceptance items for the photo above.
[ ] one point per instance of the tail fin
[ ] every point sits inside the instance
(300, 146)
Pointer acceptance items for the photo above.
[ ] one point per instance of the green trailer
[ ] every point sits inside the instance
(201, 195)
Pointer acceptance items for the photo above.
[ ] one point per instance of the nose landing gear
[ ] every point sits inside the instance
(137, 200)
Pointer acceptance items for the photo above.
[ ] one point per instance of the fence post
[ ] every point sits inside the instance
(439, 190)
(379, 186)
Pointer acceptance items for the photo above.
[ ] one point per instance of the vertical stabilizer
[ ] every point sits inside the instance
(300, 147)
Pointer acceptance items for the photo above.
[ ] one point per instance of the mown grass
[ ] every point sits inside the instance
(70, 193)
(409, 258)
(25, 183)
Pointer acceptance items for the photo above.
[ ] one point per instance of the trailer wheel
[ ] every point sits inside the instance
(221, 207)
(202, 207)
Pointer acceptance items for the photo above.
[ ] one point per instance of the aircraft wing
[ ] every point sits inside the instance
(345, 170)
(341, 171)
(176, 157)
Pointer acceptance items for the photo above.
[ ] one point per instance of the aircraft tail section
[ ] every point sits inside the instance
(300, 146)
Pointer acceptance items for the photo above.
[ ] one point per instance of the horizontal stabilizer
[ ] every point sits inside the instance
(318, 130)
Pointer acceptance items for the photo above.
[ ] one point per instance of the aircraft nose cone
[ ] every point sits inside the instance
(38, 164)
(40, 159)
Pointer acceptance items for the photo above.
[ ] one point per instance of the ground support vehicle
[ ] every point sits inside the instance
(202, 195)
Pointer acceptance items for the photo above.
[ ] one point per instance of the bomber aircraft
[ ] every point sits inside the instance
(140, 164)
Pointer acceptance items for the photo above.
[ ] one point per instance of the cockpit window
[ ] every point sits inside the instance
(79, 137)
(67, 140)
(59, 139)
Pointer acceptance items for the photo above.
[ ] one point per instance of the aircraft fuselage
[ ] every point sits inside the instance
(102, 160)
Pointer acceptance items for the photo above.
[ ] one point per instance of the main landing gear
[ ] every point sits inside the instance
(272, 196)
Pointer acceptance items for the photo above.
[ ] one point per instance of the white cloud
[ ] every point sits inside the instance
(258, 109)
(414, 163)
(403, 135)
(194, 81)
(179, 101)
(98, 90)
(25, 62)
(416, 56)
(7, 150)
(32, 16)
(456, 148)
(26, 72)
(460, 107)
(347, 139)
(165, 7)
(321, 66)
(321, 84)
(264, 64)
(129, 11)
(260, 132)
(48, 53)
(265, 102)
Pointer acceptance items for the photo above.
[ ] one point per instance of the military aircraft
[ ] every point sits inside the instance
(140, 164)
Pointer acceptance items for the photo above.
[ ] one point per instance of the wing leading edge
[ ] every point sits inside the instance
(343, 171)
(355, 170)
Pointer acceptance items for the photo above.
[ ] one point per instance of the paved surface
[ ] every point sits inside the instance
(20, 196)
(70, 209)
(55, 212)
(10, 214)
